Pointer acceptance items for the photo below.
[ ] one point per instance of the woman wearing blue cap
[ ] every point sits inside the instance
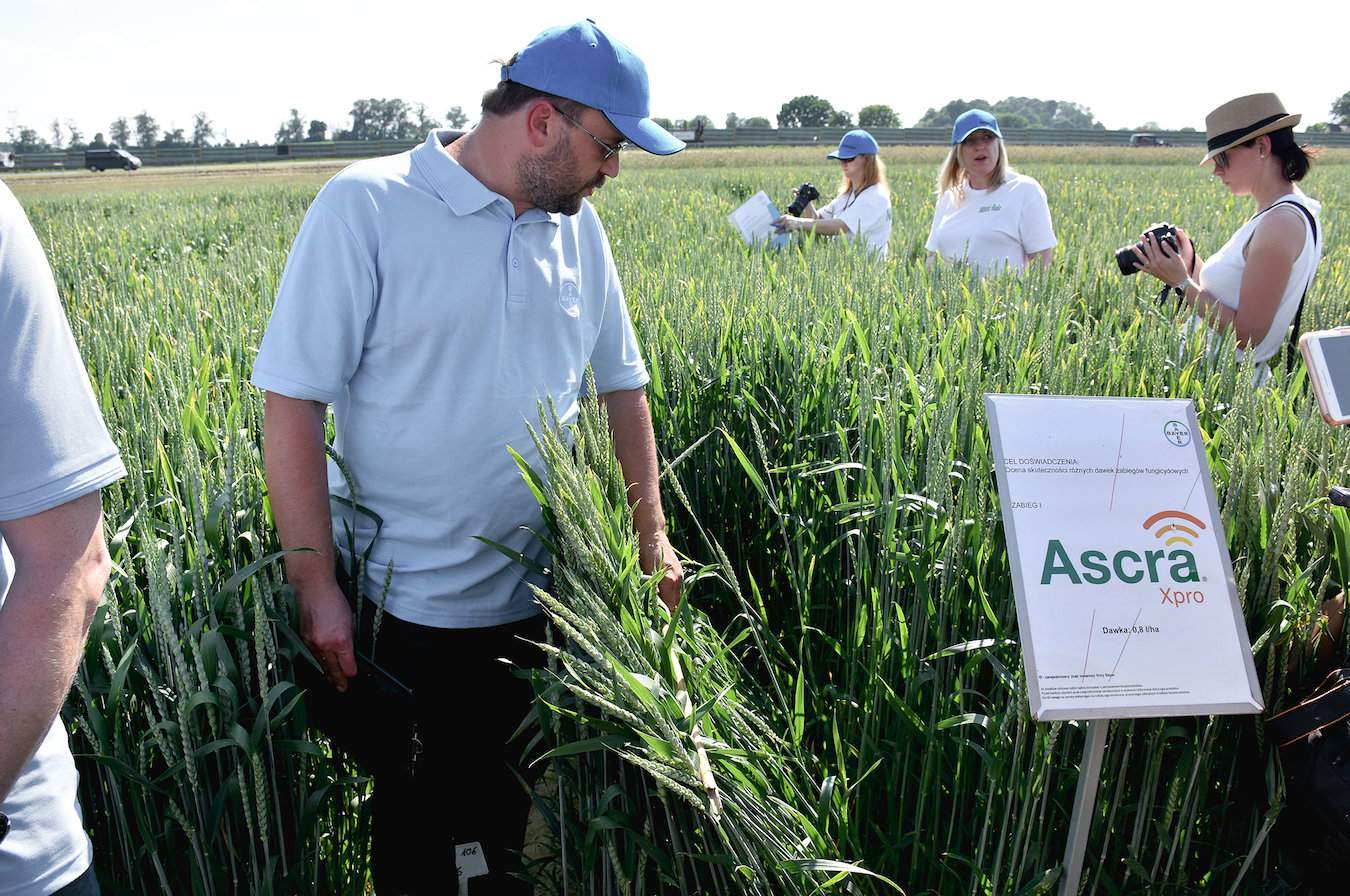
(988, 216)
(863, 206)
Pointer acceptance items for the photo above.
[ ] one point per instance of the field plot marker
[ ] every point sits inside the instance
(1084, 799)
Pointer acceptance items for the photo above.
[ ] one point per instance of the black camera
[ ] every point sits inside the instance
(805, 195)
(1126, 256)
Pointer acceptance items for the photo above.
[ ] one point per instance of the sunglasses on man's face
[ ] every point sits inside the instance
(609, 150)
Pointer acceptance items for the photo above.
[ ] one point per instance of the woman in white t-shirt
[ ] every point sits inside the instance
(1256, 282)
(988, 216)
(863, 206)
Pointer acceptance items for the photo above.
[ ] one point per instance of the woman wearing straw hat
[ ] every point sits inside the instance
(1257, 281)
(988, 216)
(863, 206)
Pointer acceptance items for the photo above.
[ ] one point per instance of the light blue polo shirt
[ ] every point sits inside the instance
(435, 321)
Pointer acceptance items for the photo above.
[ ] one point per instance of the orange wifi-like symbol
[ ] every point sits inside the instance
(1175, 532)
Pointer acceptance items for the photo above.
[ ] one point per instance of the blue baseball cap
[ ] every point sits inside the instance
(580, 62)
(973, 120)
(855, 143)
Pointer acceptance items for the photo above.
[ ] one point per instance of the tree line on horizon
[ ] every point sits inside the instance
(392, 118)
(374, 118)
(1012, 112)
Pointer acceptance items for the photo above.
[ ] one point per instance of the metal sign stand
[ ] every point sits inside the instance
(1084, 799)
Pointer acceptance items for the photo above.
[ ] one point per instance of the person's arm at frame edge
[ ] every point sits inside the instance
(60, 567)
(297, 486)
(630, 425)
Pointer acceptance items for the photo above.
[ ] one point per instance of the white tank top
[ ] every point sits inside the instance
(1222, 273)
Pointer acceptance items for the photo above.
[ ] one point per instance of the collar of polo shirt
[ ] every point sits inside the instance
(459, 189)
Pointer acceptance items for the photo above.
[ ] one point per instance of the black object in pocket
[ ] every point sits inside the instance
(375, 720)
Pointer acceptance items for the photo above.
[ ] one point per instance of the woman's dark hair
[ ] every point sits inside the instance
(1295, 160)
(508, 96)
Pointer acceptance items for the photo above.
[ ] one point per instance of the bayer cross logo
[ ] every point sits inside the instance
(569, 299)
(1177, 433)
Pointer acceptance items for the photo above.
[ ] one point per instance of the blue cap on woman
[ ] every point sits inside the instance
(973, 120)
(855, 143)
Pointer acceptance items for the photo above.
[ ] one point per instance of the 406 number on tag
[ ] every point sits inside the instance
(470, 861)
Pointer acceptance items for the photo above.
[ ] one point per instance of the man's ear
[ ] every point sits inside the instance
(542, 121)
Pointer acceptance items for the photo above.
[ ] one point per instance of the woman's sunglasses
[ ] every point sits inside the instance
(1221, 159)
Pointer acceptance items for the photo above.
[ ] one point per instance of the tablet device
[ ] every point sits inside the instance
(1327, 354)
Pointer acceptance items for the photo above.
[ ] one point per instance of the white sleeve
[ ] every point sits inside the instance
(1034, 227)
(616, 359)
(830, 210)
(55, 447)
(867, 212)
(943, 208)
(314, 340)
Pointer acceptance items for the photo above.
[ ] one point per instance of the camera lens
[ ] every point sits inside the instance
(1126, 256)
(1125, 259)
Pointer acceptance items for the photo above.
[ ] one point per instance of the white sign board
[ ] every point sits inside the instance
(1126, 604)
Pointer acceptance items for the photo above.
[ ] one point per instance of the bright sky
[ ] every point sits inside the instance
(246, 63)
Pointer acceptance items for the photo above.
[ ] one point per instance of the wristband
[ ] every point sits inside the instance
(1186, 284)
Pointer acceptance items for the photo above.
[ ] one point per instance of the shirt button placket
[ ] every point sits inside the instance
(515, 280)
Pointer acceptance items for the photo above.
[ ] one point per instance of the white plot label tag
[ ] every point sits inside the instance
(1126, 604)
(470, 861)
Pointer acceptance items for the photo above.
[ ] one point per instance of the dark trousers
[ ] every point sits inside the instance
(465, 787)
(84, 885)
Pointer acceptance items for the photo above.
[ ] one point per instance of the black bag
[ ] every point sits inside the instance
(375, 721)
(1314, 742)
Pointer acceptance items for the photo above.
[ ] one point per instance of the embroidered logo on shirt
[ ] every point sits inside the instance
(991, 208)
(569, 299)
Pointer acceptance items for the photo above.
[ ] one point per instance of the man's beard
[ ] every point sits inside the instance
(548, 181)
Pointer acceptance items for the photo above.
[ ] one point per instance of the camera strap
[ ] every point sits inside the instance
(1181, 293)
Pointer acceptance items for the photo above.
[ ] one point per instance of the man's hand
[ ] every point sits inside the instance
(657, 556)
(630, 423)
(297, 484)
(326, 628)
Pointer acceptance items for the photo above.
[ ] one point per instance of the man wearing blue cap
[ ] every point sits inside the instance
(435, 298)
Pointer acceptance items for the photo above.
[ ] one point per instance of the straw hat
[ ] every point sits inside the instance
(1239, 120)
